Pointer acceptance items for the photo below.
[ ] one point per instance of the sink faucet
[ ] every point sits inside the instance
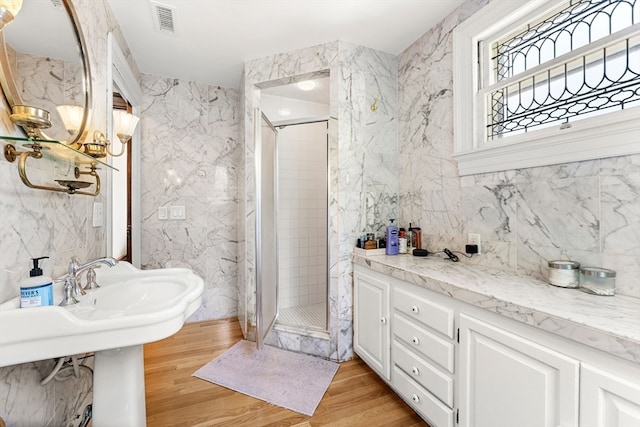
(75, 269)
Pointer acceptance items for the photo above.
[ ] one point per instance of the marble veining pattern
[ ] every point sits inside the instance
(609, 324)
(41, 223)
(362, 155)
(190, 152)
(585, 211)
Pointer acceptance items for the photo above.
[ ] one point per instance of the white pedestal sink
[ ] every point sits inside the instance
(132, 307)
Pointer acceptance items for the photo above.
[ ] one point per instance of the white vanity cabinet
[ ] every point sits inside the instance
(458, 364)
(507, 380)
(423, 352)
(371, 320)
(607, 400)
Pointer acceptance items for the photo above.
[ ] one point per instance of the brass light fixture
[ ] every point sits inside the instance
(8, 10)
(125, 125)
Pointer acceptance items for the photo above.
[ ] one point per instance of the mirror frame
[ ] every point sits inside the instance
(12, 94)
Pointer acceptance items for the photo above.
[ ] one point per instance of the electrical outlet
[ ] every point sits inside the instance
(474, 239)
(177, 212)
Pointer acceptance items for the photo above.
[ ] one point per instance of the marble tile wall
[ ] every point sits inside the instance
(586, 211)
(190, 155)
(56, 224)
(362, 150)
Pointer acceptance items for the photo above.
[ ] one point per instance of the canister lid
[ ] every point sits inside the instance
(564, 264)
(597, 272)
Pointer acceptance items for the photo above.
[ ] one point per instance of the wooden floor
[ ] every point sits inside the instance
(356, 397)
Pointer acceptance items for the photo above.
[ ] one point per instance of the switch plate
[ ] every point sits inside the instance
(162, 212)
(98, 216)
(474, 239)
(177, 212)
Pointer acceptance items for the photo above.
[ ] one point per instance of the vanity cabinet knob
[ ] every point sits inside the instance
(383, 320)
(415, 340)
(415, 310)
(415, 371)
(415, 398)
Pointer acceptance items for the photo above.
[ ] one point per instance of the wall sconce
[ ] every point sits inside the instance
(125, 125)
(8, 10)
(71, 116)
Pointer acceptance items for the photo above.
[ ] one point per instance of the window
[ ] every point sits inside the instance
(549, 82)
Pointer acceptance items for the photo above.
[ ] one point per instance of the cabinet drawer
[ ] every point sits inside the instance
(417, 307)
(423, 341)
(424, 373)
(436, 413)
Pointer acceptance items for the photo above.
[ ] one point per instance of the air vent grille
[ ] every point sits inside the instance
(164, 18)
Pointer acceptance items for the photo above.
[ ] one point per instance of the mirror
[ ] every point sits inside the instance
(44, 64)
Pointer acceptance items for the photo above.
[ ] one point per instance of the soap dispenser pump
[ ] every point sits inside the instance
(37, 290)
(392, 239)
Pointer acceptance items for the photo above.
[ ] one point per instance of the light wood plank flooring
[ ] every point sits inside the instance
(356, 397)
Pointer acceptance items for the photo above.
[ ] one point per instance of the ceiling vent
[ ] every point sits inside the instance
(164, 17)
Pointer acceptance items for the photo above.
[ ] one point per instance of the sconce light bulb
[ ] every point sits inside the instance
(71, 116)
(124, 124)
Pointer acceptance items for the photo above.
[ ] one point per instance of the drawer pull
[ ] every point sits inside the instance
(415, 340)
(415, 310)
(415, 371)
(383, 320)
(415, 398)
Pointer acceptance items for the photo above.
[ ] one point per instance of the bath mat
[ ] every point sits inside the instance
(283, 378)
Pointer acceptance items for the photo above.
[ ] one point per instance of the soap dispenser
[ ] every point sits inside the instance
(392, 239)
(37, 290)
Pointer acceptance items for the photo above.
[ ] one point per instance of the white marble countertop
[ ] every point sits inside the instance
(611, 324)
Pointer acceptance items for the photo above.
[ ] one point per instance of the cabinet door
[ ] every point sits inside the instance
(607, 400)
(371, 322)
(506, 380)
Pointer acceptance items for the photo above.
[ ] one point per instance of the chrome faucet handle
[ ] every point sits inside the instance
(68, 299)
(76, 287)
(91, 278)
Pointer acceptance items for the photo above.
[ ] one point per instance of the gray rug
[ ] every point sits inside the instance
(283, 378)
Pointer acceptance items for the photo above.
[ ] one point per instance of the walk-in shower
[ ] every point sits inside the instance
(302, 225)
(299, 124)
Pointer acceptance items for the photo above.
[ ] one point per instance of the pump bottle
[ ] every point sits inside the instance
(392, 239)
(37, 290)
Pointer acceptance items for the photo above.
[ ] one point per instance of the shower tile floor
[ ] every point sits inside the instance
(307, 315)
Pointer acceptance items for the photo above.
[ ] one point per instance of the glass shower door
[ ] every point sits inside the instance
(266, 229)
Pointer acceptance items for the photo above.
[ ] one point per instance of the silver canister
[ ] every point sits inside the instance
(564, 273)
(598, 281)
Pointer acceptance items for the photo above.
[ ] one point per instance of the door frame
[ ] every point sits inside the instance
(262, 330)
(119, 72)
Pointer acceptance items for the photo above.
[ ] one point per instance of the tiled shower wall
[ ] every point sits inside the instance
(585, 211)
(302, 214)
(189, 158)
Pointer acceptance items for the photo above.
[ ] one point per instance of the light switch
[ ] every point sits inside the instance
(177, 212)
(162, 212)
(98, 217)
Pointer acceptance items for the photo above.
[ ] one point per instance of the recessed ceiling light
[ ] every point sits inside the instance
(306, 85)
(284, 112)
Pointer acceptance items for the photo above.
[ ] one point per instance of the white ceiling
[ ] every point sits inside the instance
(213, 38)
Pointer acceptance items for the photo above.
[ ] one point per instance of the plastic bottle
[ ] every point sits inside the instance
(37, 290)
(402, 241)
(392, 239)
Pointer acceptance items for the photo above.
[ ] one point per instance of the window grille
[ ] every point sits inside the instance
(580, 61)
